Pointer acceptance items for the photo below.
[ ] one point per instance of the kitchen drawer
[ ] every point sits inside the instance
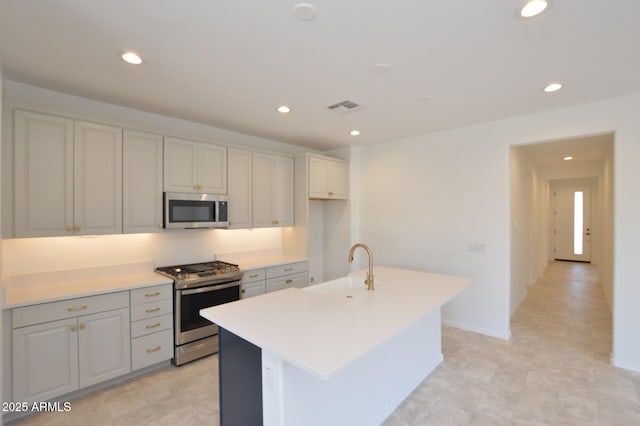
(289, 268)
(149, 294)
(252, 289)
(70, 308)
(151, 325)
(151, 349)
(253, 275)
(296, 280)
(151, 309)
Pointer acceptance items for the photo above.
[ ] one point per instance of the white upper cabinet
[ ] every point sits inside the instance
(97, 179)
(283, 191)
(272, 190)
(328, 178)
(43, 164)
(240, 188)
(194, 167)
(68, 177)
(142, 182)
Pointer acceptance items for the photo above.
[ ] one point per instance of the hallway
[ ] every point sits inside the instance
(554, 371)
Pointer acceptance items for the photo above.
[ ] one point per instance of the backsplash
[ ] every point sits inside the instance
(28, 255)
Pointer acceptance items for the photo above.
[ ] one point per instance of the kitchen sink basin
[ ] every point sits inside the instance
(349, 286)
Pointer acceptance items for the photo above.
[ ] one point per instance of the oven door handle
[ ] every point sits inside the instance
(209, 288)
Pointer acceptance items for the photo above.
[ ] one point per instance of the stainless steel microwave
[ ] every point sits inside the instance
(186, 210)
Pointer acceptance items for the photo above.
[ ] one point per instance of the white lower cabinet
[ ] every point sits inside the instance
(58, 356)
(253, 283)
(280, 283)
(45, 360)
(287, 275)
(60, 347)
(151, 325)
(103, 347)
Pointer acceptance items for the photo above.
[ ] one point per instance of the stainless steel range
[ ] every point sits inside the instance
(199, 286)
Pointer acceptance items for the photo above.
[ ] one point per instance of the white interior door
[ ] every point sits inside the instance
(572, 227)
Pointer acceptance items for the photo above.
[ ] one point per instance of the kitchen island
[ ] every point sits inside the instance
(332, 353)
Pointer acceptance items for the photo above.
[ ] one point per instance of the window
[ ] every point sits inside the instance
(578, 210)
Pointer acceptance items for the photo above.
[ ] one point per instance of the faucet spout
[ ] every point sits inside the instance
(369, 280)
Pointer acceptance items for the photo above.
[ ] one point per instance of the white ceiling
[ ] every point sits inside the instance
(230, 63)
(584, 149)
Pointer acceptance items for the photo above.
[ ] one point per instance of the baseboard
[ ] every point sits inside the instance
(623, 364)
(505, 335)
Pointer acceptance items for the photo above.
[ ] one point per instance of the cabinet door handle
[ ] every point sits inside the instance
(157, 348)
(253, 276)
(77, 227)
(288, 269)
(69, 228)
(152, 310)
(82, 326)
(274, 222)
(330, 193)
(153, 325)
(157, 293)
(74, 327)
(243, 291)
(289, 281)
(76, 308)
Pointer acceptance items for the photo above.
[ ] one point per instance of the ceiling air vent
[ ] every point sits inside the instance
(344, 106)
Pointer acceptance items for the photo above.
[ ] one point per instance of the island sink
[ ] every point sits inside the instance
(333, 353)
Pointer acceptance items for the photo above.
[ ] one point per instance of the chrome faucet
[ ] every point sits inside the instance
(369, 280)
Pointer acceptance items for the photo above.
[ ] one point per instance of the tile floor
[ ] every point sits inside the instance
(554, 371)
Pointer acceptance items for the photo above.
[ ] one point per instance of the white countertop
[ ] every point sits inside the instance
(248, 263)
(43, 287)
(321, 330)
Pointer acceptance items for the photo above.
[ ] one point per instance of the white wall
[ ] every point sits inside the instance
(422, 200)
(606, 265)
(522, 215)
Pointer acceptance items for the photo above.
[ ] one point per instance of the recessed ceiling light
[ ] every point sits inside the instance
(533, 8)
(304, 11)
(284, 109)
(381, 68)
(553, 87)
(567, 158)
(132, 58)
(354, 132)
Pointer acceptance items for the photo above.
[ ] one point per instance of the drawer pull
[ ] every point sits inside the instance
(157, 293)
(152, 310)
(74, 327)
(289, 281)
(153, 325)
(76, 308)
(82, 326)
(156, 349)
(253, 276)
(288, 269)
(330, 194)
